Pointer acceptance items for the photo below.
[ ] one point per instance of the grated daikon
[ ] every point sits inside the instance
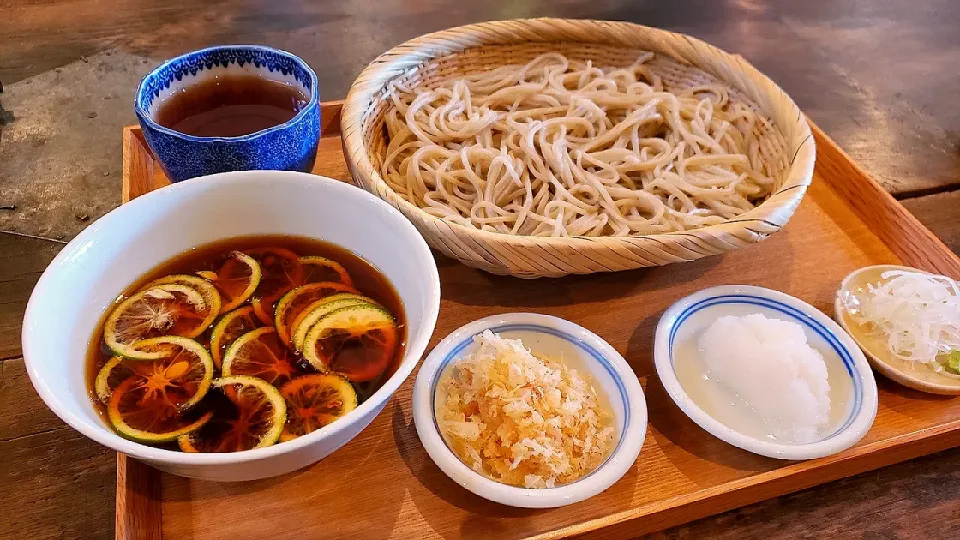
(768, 367)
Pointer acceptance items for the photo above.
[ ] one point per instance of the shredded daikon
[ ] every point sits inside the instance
(917, 313)
(522, 420)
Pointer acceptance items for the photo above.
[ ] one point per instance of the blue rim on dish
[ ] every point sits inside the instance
(862, 411)
(455, 354)
(191, 63)
(796, 314)
(610, 371)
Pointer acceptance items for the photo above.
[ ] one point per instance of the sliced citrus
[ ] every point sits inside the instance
(182, 374)
(231, 326)
(236, 279)
(317, 269)
(312, 313)
(281, 271)
(251, 414)
(357, 342)
(261, 354)
(110, 376)
(262, 310)
(206, 289)
(314, 401)
(293, 303)
(140, 414)
(163, 309)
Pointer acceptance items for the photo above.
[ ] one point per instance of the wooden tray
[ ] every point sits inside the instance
(382, 484)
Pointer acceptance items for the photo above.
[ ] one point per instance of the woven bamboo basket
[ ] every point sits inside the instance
(439, 56)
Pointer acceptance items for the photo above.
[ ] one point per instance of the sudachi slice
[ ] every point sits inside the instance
(314, 401)
(357, 342)
(253, 417)
(162, 309)
(231, 326)
(280, 272)
(110, 376)
(294, 302)
(149, 405)
(312, 313)
(261, 354)
(182, 373)
(206, 289)
(142, 416)
(237, 279)
(316, 269)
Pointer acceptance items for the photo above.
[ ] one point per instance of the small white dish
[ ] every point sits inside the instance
(550, 336)
(691, 315)
(119, 248)
(909, 374)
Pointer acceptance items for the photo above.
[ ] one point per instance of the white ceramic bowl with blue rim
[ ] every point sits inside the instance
(693, 314)
(550, 336)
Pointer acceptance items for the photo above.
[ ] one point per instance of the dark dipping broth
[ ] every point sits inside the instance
(230, 106)
(148, 393)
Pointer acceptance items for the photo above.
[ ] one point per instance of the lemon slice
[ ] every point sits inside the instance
(236, 279)
(231, 326)
(312, 313)
(358, 342)
(252, 416)
(261, 354)
(293, 303)
(313, 401)
(161, 309)
(317, 269)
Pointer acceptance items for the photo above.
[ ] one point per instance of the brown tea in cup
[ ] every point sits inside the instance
(230, 106)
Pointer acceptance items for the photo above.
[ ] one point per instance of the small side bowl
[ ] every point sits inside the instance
(693, 313)
(555, 337)
(912, 376)
(290, 146)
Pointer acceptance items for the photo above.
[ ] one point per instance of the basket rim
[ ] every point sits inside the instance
(477, 35)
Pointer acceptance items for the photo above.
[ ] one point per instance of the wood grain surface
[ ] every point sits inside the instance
(879, 77)
(846, 221)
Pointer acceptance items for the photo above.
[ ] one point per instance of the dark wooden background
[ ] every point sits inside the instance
(881, 77)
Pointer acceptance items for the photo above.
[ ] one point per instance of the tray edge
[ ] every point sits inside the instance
(684, 509)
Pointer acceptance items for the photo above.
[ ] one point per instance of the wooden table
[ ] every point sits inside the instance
(880, 77)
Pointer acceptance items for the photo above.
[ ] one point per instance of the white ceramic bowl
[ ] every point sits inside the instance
(117, 249)
(691, 315)
(553, 337)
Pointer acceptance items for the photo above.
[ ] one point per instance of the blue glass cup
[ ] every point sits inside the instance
(290, 146)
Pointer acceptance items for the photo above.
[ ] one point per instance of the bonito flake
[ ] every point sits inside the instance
(522, 420)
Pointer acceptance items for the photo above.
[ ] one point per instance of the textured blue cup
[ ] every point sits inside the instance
(291, 146)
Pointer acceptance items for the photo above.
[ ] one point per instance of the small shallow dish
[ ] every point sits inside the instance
(691, 315)
(554, 337)
(910, 375)
(119, 248)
